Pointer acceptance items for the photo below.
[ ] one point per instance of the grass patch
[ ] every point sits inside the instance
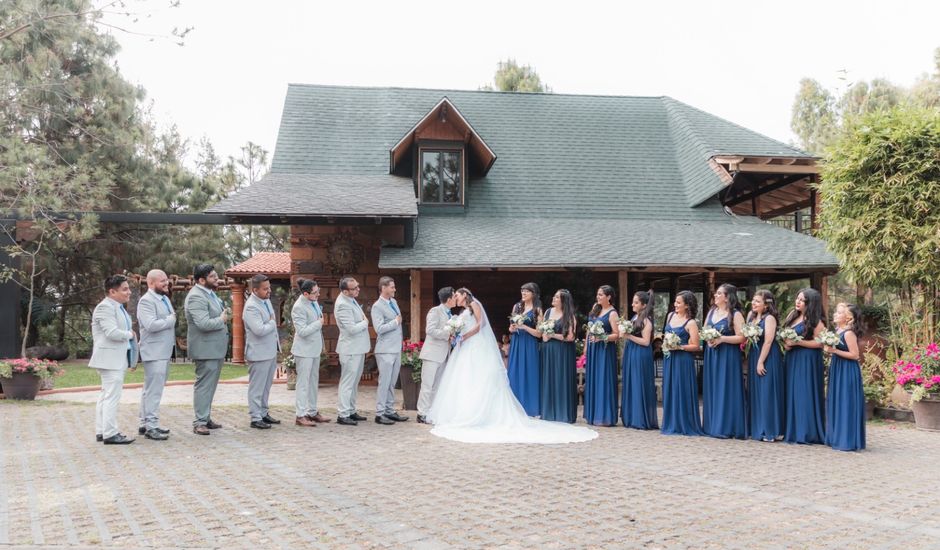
(78, 374)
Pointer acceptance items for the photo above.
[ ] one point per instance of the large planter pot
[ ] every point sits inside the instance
(870, 410)
(409, 388)
(291, 379)
(927, 414)
(21, 386)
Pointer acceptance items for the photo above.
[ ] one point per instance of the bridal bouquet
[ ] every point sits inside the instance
(454, 326)
(517, 319)
(709, 333)
(752, 333)
(671, 342)
(784, 334)
(626, 326)
(596, 330)
(547, 327)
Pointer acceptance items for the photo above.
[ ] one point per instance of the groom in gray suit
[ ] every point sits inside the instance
(352, 347)
(157, 321)
(435, 350)
(261, 347)
(207, 341)
(386, 318)
(114, 351)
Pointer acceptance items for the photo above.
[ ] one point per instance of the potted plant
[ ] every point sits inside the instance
(290, 369)
(920, 376)
(410, 373)
(21, 377)
(873, 395)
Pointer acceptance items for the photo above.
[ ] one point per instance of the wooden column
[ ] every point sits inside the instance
(709, 292)
(415, 313)
(820, 282)
(623, 288)
(238, 327)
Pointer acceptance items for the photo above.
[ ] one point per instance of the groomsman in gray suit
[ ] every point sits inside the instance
(307, 316)
(207, 342)
(435, 350)
(157, 322)
(114, 351)
(386, 318)
(261, 347)
(352, 347)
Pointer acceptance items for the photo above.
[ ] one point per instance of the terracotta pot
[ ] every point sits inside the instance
(409, 388)
(927, 414)
(21, 386)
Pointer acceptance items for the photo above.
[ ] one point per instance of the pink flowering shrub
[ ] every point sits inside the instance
(39, 367)
(921, 374)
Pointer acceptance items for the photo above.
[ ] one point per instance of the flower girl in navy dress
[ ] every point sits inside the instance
(680, 384)
(805, 421)
(766, 378)
(723, 413)
(638, 398)
(559, 385)
(524, 350)
(845, 404)
(600, 372)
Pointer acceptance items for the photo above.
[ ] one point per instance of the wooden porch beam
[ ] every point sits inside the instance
(737, 199)
(415, 313)
(787, 209)
(777, 168)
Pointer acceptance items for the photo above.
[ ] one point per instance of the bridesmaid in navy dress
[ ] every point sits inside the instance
(600, 372)
(524, 350)
(680, 384)
(559, 385)
(638, 398)
(805, 421)
(845, 407)
(766, 378)
(723, 413)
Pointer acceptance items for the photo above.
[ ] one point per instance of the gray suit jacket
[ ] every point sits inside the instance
(308, 329)
(353, 327)
(437, 338)
(206, 334)
(112, 339)
(388, 332)
(261, 341)
(157, 327)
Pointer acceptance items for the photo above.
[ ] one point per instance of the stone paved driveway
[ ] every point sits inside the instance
(376, 486)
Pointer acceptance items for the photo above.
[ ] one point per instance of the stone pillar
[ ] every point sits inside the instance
(415, 313)
(238, 327)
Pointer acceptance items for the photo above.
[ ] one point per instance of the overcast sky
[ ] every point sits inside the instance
(740, 60)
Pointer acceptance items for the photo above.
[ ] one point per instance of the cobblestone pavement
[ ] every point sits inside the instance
(374, 486)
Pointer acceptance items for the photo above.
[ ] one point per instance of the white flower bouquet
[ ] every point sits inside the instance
(828, 338)
(671, 342)
(752, 333)
(454, 326)
(595, 330)
(784, 334)
(625, 325)
(517, 319)
(546, 327)
(709, 333)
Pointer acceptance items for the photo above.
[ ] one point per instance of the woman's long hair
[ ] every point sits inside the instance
(856, 326)
(645, 298)
(610, 293)
(812, 311)
(769, 307)
(466, 292)
(690, 302)
(734, 303)
(536, 300)
(567, 311)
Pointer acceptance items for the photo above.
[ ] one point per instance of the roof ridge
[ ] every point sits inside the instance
(445, 90)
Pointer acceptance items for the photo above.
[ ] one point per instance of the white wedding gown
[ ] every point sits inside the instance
(474, 403)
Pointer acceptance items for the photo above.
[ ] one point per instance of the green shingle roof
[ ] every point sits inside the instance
(570, 169)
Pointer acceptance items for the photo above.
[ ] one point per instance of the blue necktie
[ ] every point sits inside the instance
(267, 307)
(131, 344)
(449, 314)
(394, 307)
(316, 309)
(166, 303)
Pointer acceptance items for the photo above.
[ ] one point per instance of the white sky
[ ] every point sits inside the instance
(740, 60)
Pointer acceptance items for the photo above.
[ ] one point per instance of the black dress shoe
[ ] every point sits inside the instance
(212, 425)
(422, 419)
(396, 417)
(357, 417)
(141, 430)
(260, 424)
(99, 438)
(156, 435)
(346, 421)
(270, 420)
(379, 419)
(118, 439)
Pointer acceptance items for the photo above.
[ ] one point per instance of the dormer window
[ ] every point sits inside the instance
(441, 179)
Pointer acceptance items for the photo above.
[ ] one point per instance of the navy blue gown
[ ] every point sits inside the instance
(723, 412)
(524, 367)
(805, 422)
(680, 389)
(845, 406)
(559, 384)
(600, 378)
(638, 395)
(767, 407)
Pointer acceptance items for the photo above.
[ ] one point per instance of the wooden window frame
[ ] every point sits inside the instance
(419, 164)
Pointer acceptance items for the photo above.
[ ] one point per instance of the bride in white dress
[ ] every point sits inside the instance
(474, 402)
